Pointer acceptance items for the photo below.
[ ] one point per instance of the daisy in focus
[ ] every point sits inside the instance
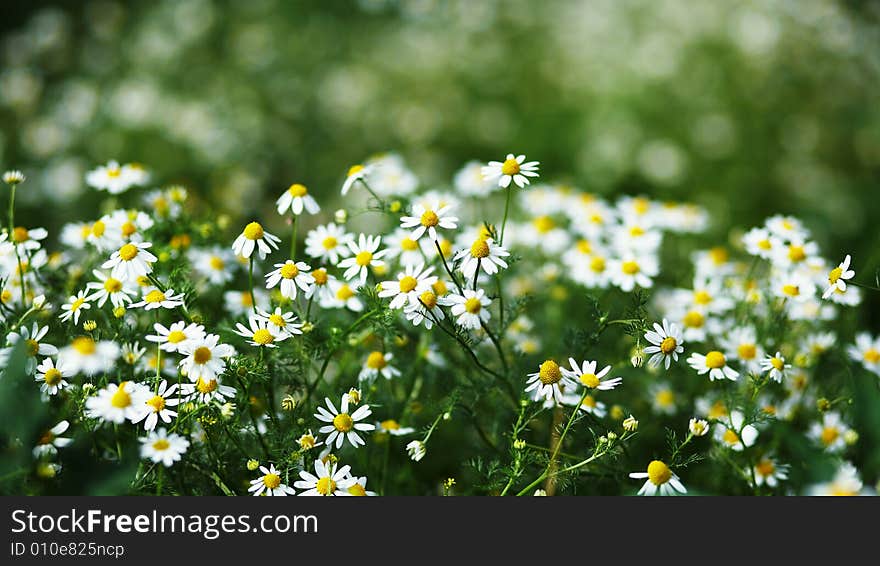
(426, 218)
(253, 236)
(344, 426)
(776, 367)
(659, 480)
(666, 342)
(838, 277)
(547, 383)
(51, 377)
(513, 169)
(296, 199)
(470, 309)
(328, 480)
(290, 274)
(161, 447)
(365, 254)
(131, 262)
(483, 254)
(715, 364)
(269, 484)
(586, 374)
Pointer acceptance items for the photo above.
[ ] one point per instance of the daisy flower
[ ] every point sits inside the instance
(547, 382)
(866, 351)
(13, 177)
(427, 217)
(736, 435)
(514, 169)
(280, 323)
(214, 264)
(406, 250)
(776, 366)
(205, 358)
(118, 403)
(660, 480)
(471, 308)
(586, 375)
(175, 337)
(131, 261)
(86, 356)
(359, 487)
(270, 484)
(793, 286)
(326, 481)
(108, 287)
(34, 345)
(355, 173)
(341, 295)
(28, 240)
(715, 364)
(308, 441)
(164, 448)
(74, 307)
(846, 483)
(295, 199)
(115, 178)
(769, 472)
(290, 274)
(343, 425)
(588, 404)
(830, 433)
(469, 181)
(698, 427)
(742, 344)
(409, 285)
(365, 255)
(483, 254)
(258, 332)
(759, 242)
(838, 277)
(632, 271)
(207, 390)
(416, 450)
(156, 406)
(156, 299)
(393, 428)
(424, 308)
(666, 344)
(50, 441)
(663, 399)
(51, 377)
(377, 364)
(253, 236)
(328, 243)
(321, 285)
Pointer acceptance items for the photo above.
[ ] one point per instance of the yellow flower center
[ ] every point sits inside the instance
(796, 253)
(112, 285)
(659, 473)
(834, 276)
(439, 288)
(597, 264)
(307, 441)
(765, 245)
(630, 267)
(872, 356)
(747, 351)
(719, 255)
(277, 320)
(98, 228)
(480, 249)
(120, 398)
(5, 295)
(715, 360)
(263, 337)
(128, 229)
(390, 424)
(246, 299)
(320, 276)
(636, 231)
(176, 336)
(355, 169)
(376, 360)
(429, 219)
(343, 422)
(205, 387)
(665, 398)
(329, 243)
(731, 437)
(765, 468)
(157, 403)
(155, 296)
(549, 372)
(702, 298)
(19, 234)
(778, 364)
(589, 402)
(510, 167)
(33, 347)
(357, 490)
(408, 244)
(297, 190)
(253, 231)
(53, 376)
(473, 305)
(84, 345)
(429, 299)
(363, 258)
(668, 345)
(128, 252)
(217, 263)
(717, 410)
(272, 481)
(589, 380)
(326, 486)
(694, 319)
(114, 172)
(584, 247)
(289, 270)
(791, 290)
(161, 445)
(202, 355)
(829, 435)
(543, 224)
(75, 305)
(344, 293)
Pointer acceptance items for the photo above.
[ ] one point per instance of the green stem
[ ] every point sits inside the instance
(504, 221)
(293, 239)
(251, 283)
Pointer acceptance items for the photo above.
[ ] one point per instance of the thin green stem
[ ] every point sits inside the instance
(251, 283)
(504, 221)
(293, 238)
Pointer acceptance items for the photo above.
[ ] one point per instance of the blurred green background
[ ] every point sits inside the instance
(749, 108)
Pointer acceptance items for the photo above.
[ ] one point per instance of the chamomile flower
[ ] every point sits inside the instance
(74, 307)
(214, 264)
(513, 169)
(269, 484)
(377, 364)
(741, 344)
(548, 382)
(34, 345)
(407, 251)
(279, 322)
(393, 428)
(586, 374)
(329, 243)
(416, 449)
(469, 181)
(759, 242)
(296, 199)
(663, 398)
(163, 448)
(326, 481)
(131, 261)
(588, 404)
(838, 277)
(698, 427)
(108, 287)
(666, 344)
(207, 390)
(253, 236)
(156, 406)
(846, 483)
(205, 357)
(483, 254)
(715, 364)
(356, 173)
(320, 288)
(50, 441)
(359, 487)
(769, 472)
(830, 433)
(341, 295)
(470, 309)
(365, 254)
(28, 240)
(793, 286)
(786, 227)
(424, 308)
(427, 217)
(735, 434)
(177, 336)
(13, 177)
(115, 178)
(51, 376)
(85, 355)
(308, 441)
(776, 366)
(258, 333)
(631, 271)
(660, 480)
(155, 298)
(290, 275)
(342, 424)
(866, 351)
(414, 281)
(117, 403)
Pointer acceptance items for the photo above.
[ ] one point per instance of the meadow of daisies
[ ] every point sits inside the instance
(499, 335)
